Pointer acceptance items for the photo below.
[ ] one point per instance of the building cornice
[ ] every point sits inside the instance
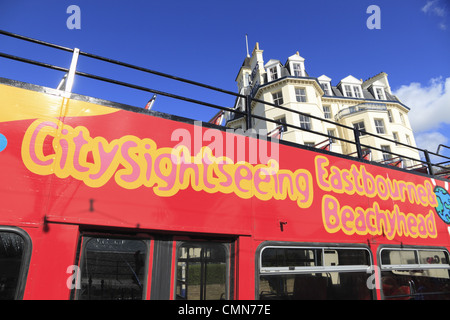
(317, 86)
(291, 79)
(359, 100)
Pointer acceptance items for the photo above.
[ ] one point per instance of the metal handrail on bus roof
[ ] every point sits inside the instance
(248, 98)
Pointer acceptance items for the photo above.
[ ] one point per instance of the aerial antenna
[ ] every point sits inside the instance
(246, 44)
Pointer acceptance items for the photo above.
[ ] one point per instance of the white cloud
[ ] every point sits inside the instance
(430, 140)
(427, 6)
(436, 8)
(430, 105)
(430, 112)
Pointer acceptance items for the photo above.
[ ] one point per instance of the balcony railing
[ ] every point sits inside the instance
(367, 106)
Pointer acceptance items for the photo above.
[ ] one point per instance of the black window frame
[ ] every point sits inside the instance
(84, 239)
(26, 258)
(409, 267)
(230, 264)
(289, 270)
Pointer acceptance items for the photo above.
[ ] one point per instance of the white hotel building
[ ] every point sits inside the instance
(366, 105)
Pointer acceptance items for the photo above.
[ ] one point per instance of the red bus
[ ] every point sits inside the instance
(101, 200)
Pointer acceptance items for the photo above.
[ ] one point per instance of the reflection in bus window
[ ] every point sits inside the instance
(415, 274)
(202, 270)
(296, 273)
(11, 258)
(113, 269)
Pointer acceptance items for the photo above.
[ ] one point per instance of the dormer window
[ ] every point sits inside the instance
(296, 65)
(357, 91)
(351, 87)
(378, 86)
(379, 92)
(348, 91)
(273, 73)
(352, 91)
(326, 85)
(326, 89)
(273, 70)
(297, 69)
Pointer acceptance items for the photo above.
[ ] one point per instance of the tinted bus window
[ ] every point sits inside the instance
(12, 248)
(113, 269)
(202, 271)
(415, 274)
(295, 273)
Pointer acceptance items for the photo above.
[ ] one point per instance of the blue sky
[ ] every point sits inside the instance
(205, 41)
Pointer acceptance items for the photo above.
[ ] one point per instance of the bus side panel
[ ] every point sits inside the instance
(245, 269)
(22, 194)
(54, 250)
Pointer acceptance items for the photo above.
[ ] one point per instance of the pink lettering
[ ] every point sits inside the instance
(136, 169)
(259, 180)
(330, 209)
(79, 143)
(105, 160)
(32, 148)
(163, 162)
(321, 173)
(238, 177)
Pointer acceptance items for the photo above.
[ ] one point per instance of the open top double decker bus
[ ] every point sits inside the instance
(101, 200)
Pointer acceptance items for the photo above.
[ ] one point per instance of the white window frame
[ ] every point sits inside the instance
(326, 88)
(282, 119)
(377, 94)
(380, 128)
(362, 128)
(402, 118)
(297, 70)
(386, 152)
(277, 98)
(348, 92)
(395, 136)
(327, 113)
(273, 73)
(391, 119)
(408, 139)
(332, 133)
(300, 97)
(357, 92)
(305, 122)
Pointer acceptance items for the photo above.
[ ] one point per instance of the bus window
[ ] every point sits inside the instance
(113, 269)
(13, 254)
(202, 271)
(314, 273)
(415, 274)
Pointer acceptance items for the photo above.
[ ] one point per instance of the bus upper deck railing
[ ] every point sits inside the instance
(424, 165)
